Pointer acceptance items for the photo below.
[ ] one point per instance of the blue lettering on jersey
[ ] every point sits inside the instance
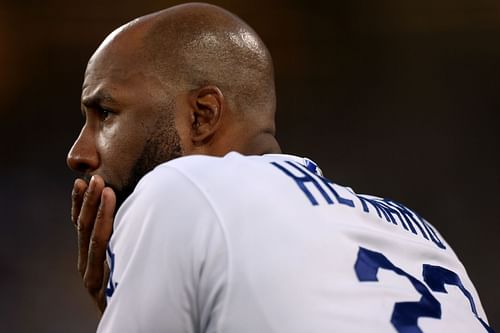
(306, 176)
(393, 212)
(437, 277)
(386, 209)
(110, 289)
(405, 315)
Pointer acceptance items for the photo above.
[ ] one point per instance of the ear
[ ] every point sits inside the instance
(207, 107)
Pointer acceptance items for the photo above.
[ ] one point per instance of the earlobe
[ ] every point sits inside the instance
(208, 106)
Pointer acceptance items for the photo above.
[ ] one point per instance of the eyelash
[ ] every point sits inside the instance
(103, 112)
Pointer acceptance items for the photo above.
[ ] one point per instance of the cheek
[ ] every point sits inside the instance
(183, 125)
(120, 146)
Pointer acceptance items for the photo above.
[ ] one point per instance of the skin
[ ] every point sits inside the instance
(145, 104)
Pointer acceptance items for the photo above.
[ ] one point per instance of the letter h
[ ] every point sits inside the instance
(304, 178)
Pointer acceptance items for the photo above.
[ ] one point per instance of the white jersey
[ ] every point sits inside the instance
(265, 244)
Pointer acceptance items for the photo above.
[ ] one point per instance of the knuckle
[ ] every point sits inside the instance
(96, 243)
(90, 284)
(81, 227)
(74, 216)
(75, 195)
(88, 196)
(100, 214)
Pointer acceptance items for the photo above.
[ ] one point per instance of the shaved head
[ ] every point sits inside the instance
(197, 44)
(190, 79)
(200, 44)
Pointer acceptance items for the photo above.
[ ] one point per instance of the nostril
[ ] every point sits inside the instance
(82, 160)
(81, 167)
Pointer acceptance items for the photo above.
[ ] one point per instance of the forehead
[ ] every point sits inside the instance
(118, 59)
(116, 73)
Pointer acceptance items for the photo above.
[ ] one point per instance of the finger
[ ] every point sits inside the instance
(101, 297)
(77, 194)
(86, 219)
(103, 228)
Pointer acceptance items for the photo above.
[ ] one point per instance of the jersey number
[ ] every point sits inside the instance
(406, 314)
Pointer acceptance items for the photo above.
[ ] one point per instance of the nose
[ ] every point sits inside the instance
(83, 156)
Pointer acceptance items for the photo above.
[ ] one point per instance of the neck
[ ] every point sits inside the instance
(262, 143)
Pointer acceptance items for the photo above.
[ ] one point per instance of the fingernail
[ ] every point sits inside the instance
(92, 184)
(76, 189)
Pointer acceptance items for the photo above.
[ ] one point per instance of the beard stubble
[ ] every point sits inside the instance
(161, 146)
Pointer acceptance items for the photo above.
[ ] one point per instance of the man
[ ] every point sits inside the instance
(262, 243)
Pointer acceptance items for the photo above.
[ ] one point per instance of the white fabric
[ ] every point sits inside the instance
(234, 245)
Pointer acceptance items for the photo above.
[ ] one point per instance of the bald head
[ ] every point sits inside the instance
(196, 44)
(191, 79)
(200, 44)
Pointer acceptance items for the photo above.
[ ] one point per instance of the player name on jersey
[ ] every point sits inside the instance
(388, 210)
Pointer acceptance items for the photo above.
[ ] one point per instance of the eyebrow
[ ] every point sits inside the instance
(98, 98)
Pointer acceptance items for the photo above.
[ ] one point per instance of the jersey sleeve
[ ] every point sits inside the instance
(167, 259)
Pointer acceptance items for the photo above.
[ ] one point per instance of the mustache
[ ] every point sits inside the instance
(86, 177)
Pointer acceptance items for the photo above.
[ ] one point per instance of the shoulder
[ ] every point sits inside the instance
(195, 164)
(168, 193)
(200, 171)
(167, 218)
(182, 169)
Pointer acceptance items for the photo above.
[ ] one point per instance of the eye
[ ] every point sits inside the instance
(104, 113)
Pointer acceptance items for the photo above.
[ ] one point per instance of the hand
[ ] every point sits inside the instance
(92, 210)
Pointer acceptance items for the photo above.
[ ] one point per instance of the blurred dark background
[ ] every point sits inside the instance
(394, 98)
